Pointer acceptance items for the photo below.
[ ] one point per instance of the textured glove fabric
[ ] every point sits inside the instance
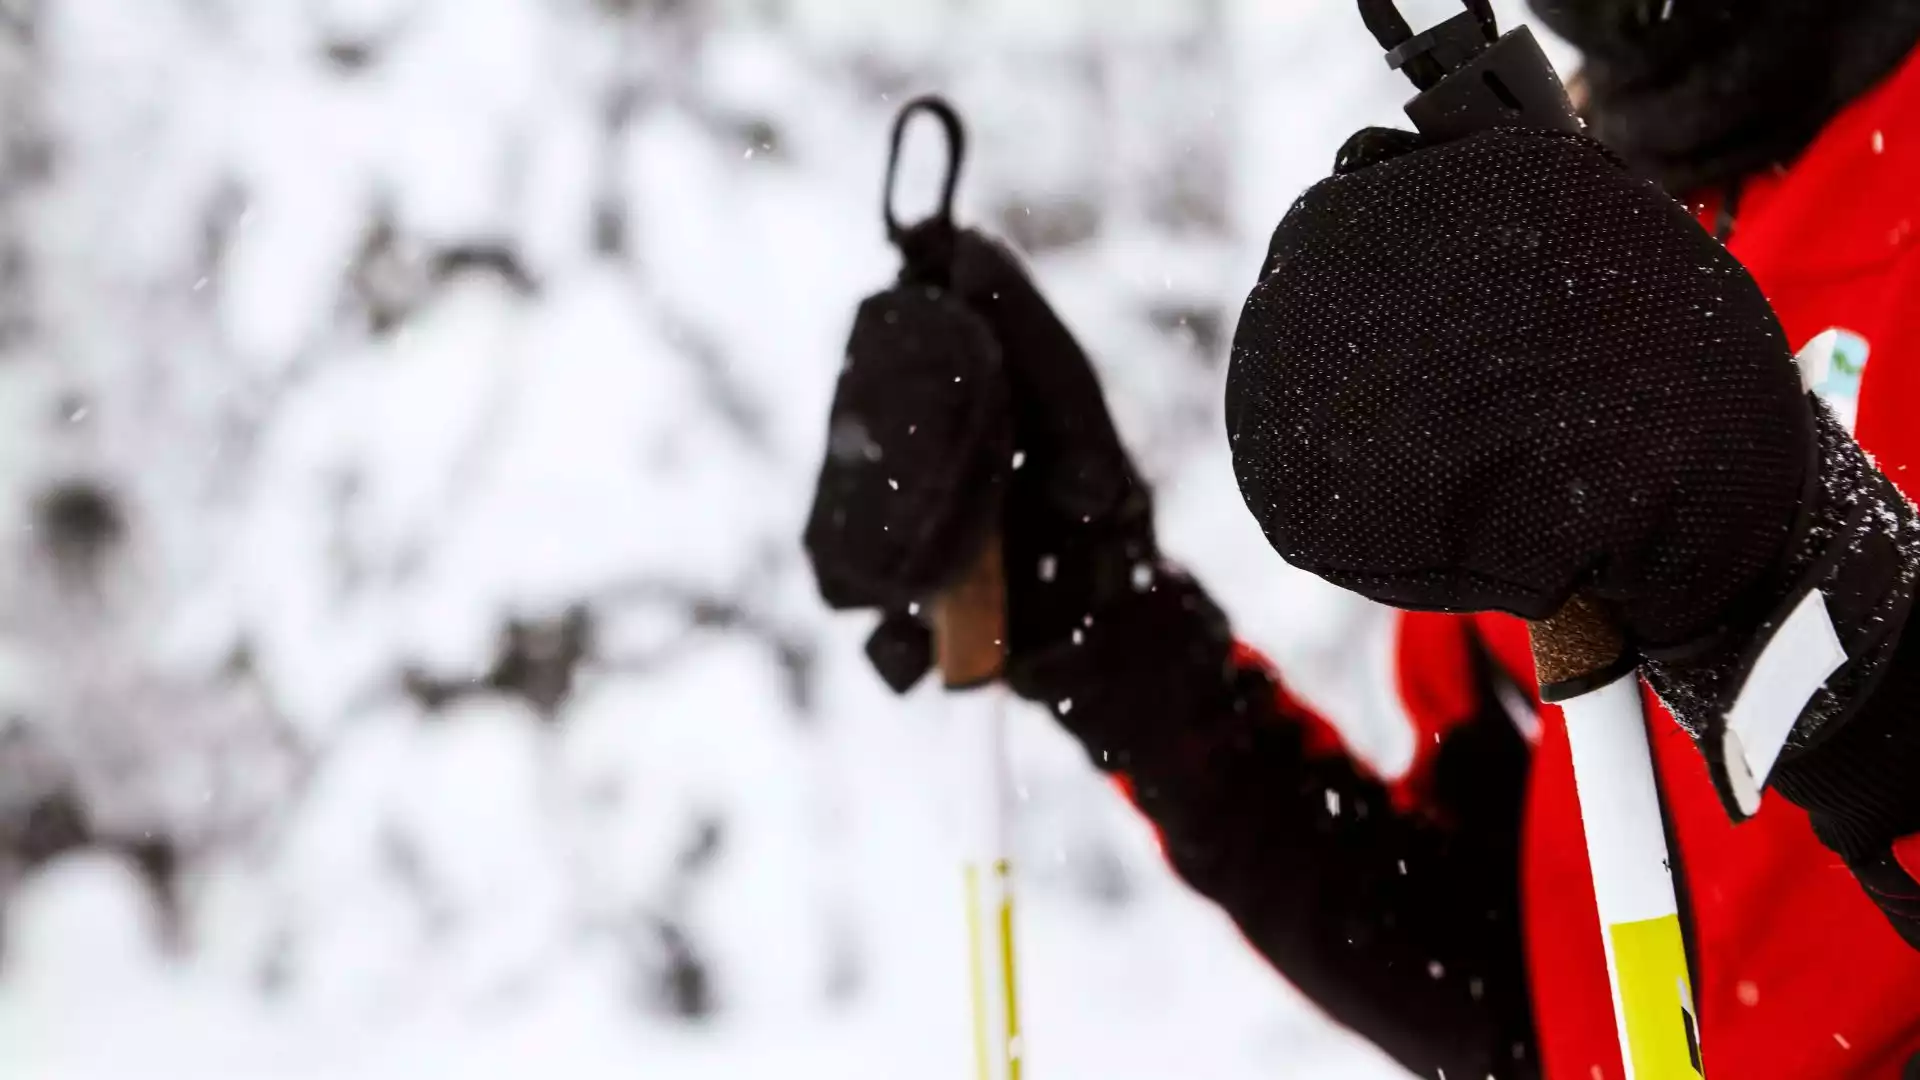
(965, 407)
(1077, 518)
(1485, 374)
(918, 442)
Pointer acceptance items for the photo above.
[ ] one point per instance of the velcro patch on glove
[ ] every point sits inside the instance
(1793, 665)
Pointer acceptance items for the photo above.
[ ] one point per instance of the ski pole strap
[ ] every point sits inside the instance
(956, 154)
(1390, 29)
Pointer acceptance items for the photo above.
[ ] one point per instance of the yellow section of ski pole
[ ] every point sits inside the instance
(976, 973)
(1008, 983)
(1650, 966)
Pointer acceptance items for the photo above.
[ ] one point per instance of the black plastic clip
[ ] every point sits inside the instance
(1470, 77)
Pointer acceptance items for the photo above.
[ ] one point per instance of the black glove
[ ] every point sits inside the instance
(1487, 374)
(965, 406)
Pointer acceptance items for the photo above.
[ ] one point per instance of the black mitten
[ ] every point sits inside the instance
(966, 410)
(1487, 374)
(919, 444)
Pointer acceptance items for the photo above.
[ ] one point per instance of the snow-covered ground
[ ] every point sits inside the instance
(407, 413)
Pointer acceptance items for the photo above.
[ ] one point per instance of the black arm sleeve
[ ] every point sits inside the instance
(1861, 788)
(1403, 927)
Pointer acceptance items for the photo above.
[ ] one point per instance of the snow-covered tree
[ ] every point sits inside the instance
(407, 413)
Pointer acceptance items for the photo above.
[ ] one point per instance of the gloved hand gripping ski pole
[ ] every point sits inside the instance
(1470, 79)
(969, 623)
(970, 616)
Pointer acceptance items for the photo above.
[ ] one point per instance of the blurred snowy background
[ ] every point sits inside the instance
(408, 409)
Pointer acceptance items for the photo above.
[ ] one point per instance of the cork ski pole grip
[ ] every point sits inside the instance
(970, 621)
(1577, 649)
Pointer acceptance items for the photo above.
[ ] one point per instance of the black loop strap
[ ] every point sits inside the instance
(1483, 10)
(1407, 52)
(956, 153)
(1386, 23)
(1392, 31)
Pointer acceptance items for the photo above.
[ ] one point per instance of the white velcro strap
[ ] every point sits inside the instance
(1792, 667)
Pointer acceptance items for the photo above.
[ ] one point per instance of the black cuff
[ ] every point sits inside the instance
(1861, 786)
(1860, 547)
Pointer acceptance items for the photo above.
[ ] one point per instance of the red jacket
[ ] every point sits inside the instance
(1799, 976)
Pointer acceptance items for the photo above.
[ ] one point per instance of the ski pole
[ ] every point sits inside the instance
(1583, 666)
(1472, 79)
(968, 619)
(969, 630)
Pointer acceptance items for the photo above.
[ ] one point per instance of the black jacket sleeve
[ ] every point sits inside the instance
(1861, 788)
(1403, 927)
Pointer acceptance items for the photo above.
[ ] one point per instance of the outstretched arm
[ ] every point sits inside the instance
(1400, 920)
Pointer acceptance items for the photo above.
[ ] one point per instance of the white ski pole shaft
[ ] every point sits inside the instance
(969, 623)
(1578, 656)
(978, 724)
